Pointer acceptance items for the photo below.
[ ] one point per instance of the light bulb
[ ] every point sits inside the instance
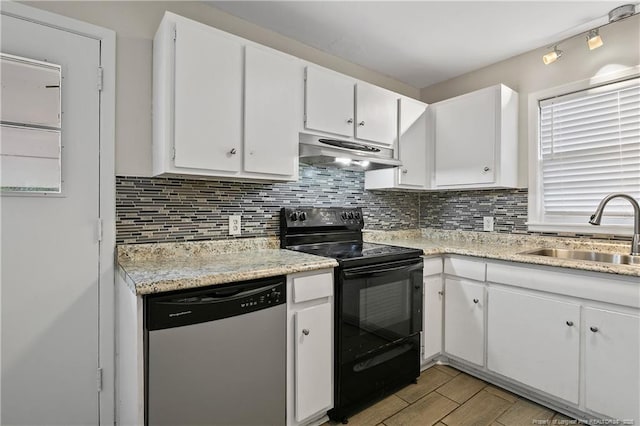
(345, 161)
(552, 56)
(594, 40)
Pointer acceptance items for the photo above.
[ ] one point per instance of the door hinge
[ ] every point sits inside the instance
(99, 229)
(175, 33)
(173, 154)
(305, 118)
(100, 78)
(99, 379)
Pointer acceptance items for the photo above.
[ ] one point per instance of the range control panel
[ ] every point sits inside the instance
(311, 217)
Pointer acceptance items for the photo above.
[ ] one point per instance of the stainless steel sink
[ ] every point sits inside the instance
(591, 256)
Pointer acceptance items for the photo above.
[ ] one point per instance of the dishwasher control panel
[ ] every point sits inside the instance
(213, 303)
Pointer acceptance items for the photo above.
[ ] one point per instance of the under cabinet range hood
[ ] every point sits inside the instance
(319, 150)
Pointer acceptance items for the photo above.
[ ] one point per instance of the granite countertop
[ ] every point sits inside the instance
(156, 268)
(505, 247)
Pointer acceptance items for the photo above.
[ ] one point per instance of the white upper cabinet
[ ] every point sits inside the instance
(329, 102)
(350, 109)
(475, 140)
(376, 114)
(412, 151)
(270, 107)
(207, 99)
(223, 106)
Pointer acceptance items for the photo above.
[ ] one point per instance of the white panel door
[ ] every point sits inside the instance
(50, 251)
(412, 145)
(273, 99)
(536, 341)
(612, 363)
(465, 139)
(376, 114)
(432, 327)
(329, 103)
(314, 363)
(208, 99)
(464, 320)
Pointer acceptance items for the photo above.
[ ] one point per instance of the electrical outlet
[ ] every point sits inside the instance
(487, 222)
(235, 225)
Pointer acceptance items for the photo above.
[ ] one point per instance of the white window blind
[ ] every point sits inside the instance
(589, 148)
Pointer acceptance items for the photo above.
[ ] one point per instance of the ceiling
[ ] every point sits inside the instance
(423, 42)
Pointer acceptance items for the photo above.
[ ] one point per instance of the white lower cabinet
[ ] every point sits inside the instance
(612, 363)
(535, 340)
(313, 361)
(309, 346)
(432, 310)
(464, 319)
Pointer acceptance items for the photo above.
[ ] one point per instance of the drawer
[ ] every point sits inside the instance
(472, 269)
(312, 286)
(432, 266)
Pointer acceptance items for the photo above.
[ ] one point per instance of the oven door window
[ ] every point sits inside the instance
(380, 305)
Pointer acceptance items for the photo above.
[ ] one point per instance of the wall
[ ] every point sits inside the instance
(527, 73)
(172, 209)
(135, 23)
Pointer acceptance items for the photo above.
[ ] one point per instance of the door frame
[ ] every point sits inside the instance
(106, 297)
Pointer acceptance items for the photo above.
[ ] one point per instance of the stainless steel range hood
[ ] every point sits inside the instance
(319, 150)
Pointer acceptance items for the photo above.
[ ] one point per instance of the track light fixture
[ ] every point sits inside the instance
(552, 56)
(593, 35)
(593, 39)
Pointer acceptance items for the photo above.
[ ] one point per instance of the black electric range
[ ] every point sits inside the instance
(377, 301)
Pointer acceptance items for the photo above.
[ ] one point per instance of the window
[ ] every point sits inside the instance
(588, 146)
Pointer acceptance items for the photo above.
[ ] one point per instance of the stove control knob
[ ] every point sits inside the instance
(294, 216)
(350, 215)
(344, 216)
(357, 215)
(302, 216)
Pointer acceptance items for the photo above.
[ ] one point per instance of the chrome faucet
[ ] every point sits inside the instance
(597, 217)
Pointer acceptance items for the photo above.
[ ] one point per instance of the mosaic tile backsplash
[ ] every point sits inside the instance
(176, 209)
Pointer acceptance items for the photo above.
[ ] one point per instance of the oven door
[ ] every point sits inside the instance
(378, 325)
(380, 304)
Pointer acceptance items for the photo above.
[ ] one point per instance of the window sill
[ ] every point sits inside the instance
(579, 228)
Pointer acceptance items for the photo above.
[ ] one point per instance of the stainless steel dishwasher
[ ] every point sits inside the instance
(217, 356)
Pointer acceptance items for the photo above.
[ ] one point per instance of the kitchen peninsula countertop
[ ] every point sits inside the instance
(156, 268)
(505, 247)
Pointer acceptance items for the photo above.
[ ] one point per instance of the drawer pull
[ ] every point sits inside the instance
(594, 329)
(570, 323)
(475, 301)
(305, 331)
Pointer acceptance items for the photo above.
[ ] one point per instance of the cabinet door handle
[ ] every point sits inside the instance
(361, 123)
(233, 151)
(405, 171)
(570, 323)
(440, 292)
(350, 121)
(486, 168)
(594, 329)
(305, 331)
(475, 301)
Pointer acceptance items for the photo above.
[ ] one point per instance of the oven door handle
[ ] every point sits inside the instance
(377, 272)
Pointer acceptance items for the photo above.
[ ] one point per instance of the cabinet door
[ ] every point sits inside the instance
(272, 101)
(612, 366)
(313, 365)
(535, 340)
(208, 99)
(412, 144)
(465, 139)
(464, 320)
(432, 327)
(329, 102)
(376, 114)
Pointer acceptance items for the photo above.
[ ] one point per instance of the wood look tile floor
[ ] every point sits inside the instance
(445, 396)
